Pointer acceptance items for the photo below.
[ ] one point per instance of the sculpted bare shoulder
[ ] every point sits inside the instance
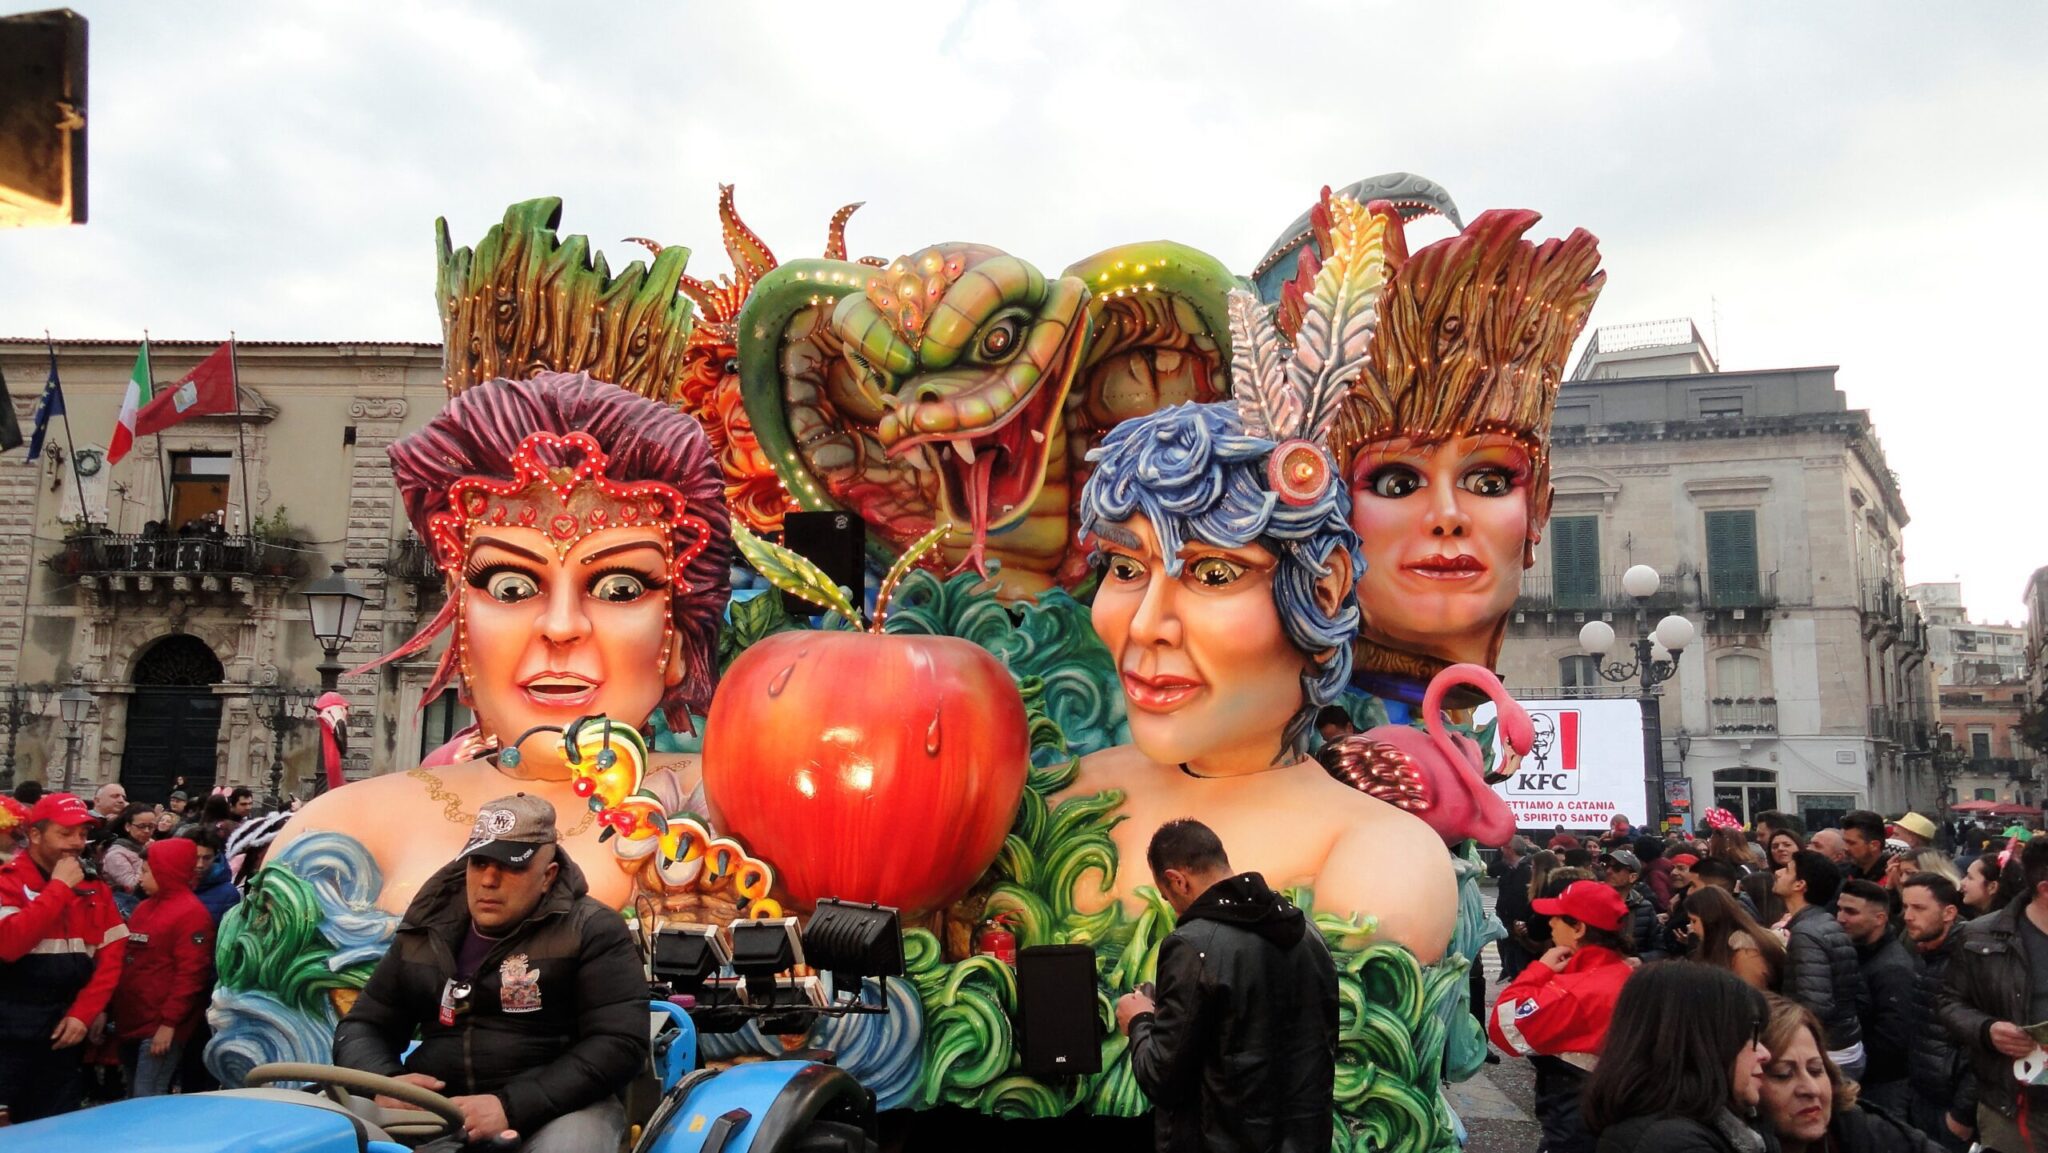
(344, 809)
(1389, 863)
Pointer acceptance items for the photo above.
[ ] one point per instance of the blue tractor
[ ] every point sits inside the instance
(800, 1104)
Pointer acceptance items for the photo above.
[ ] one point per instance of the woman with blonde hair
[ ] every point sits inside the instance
(1808, 1102)
(1920, 861)
(1728, 937)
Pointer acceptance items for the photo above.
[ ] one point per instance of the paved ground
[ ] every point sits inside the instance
(1495, 1104)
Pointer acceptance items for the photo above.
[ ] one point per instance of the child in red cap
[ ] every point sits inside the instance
(163, 990)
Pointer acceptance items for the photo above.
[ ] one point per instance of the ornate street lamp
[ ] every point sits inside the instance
(1656, 661)
(335, 604)
(72, 704)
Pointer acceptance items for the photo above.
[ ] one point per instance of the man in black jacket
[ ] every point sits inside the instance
(1944, 1104)
(1888, 970)
(1511, 905)
(1991, 994)
(527, 995)
(1239, 1052)
(1820, 963)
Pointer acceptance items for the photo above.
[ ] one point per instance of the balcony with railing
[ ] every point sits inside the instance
(1741, 589)
(1739, 715)
(412, 560)
(95, 558)
(1598, 592)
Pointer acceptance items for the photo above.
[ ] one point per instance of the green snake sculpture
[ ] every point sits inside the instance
(959, 384)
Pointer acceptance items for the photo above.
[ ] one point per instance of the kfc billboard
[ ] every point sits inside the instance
(1586, 765)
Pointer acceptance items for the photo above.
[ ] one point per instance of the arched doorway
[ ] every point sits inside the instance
(173, 720)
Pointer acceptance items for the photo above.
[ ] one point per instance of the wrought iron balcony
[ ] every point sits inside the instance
(412, 560)
(92, 556)
(1741, 589)
(1599, 592)
(1738, 715)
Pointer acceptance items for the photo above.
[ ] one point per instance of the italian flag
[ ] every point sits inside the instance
(139, 393)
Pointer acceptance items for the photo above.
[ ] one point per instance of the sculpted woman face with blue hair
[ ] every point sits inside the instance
(1230, 614)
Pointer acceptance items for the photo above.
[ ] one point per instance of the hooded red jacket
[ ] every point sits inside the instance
(170, 950)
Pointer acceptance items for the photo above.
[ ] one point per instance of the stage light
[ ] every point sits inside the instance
(854, 942)
(686, 956)
(761, 950)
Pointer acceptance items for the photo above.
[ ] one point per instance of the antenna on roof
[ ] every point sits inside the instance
(1714, 322)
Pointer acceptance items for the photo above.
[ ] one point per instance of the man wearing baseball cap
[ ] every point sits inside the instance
(1556, 1012)
(527, 995)
(61, 941)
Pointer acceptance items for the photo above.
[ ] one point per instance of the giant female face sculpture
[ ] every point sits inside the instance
(585, 546)
(1226, 609)
(1444, 439)
(1229, 610)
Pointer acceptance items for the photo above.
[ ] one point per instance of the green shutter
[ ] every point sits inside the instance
(1731, 557)
(1575, 560)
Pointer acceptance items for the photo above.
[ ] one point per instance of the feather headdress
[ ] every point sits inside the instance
(1291, 371)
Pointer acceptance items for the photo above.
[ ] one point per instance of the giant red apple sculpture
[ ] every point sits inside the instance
(865, 766)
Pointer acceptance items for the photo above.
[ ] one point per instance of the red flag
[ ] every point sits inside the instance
(208, 390)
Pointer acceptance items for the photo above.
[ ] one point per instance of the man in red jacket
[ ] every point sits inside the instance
(61, 941)
(170, 968)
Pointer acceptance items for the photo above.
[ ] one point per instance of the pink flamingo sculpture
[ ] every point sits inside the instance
(1439, 776)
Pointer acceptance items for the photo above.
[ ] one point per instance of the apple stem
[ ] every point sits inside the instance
(901, 569)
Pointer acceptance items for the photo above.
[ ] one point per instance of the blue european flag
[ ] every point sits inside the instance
(48, 406)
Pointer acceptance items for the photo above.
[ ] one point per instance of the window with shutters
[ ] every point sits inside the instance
(1580, 675)
(1575, 561)
(1732, 577)
(1980, 745)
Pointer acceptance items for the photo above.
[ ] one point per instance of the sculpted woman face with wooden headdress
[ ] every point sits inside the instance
(1444, 439)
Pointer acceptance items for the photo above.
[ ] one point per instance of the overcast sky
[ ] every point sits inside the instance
(1857, 184)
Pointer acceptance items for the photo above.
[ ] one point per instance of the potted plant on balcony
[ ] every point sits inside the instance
(82, 541)
(278, 549)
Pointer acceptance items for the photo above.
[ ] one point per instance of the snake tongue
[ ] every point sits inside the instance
(979, 472)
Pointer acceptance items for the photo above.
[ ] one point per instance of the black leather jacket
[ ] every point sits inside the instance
(1821, 974)
(1938, 1069)
(1988, 981)
(571, 1031)
(1241, 1053)
(1661, 1134)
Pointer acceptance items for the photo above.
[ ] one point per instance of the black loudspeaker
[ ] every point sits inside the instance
(1058, 1033)
(834, 541)
(42, 118)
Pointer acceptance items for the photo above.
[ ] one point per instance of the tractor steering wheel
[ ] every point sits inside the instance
(439, 1118)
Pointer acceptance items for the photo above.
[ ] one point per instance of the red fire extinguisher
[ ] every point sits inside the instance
(997, 940)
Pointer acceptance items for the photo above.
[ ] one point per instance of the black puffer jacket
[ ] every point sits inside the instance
(1988, 981)
(582, 1040)
(1868, 1129)
(1821, 974)
(1644, 930)
(1664, 1134)
(1241, 1052)
(1939, 1071)
(1888, 970)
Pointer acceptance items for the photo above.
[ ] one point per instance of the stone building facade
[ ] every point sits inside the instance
(1766, 504)
(1981, 724)
(169, 585)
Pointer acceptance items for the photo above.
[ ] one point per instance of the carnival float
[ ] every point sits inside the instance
(1131, 524)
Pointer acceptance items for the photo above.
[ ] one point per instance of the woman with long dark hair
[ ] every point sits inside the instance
(1682, 1070)
(1989, 886)
(1728, 937)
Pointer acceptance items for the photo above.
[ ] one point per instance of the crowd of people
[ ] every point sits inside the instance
(107, 920)
(1877, 986)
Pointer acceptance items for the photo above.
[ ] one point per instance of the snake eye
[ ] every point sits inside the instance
(732, 366)
(1000, 338)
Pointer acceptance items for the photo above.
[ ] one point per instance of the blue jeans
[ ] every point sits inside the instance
(150, 1076)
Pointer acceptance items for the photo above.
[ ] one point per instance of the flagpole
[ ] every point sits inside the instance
(163, 456)
(84, 513)
(242, 449)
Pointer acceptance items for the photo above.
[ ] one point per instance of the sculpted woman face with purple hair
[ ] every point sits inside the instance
(585, 545)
